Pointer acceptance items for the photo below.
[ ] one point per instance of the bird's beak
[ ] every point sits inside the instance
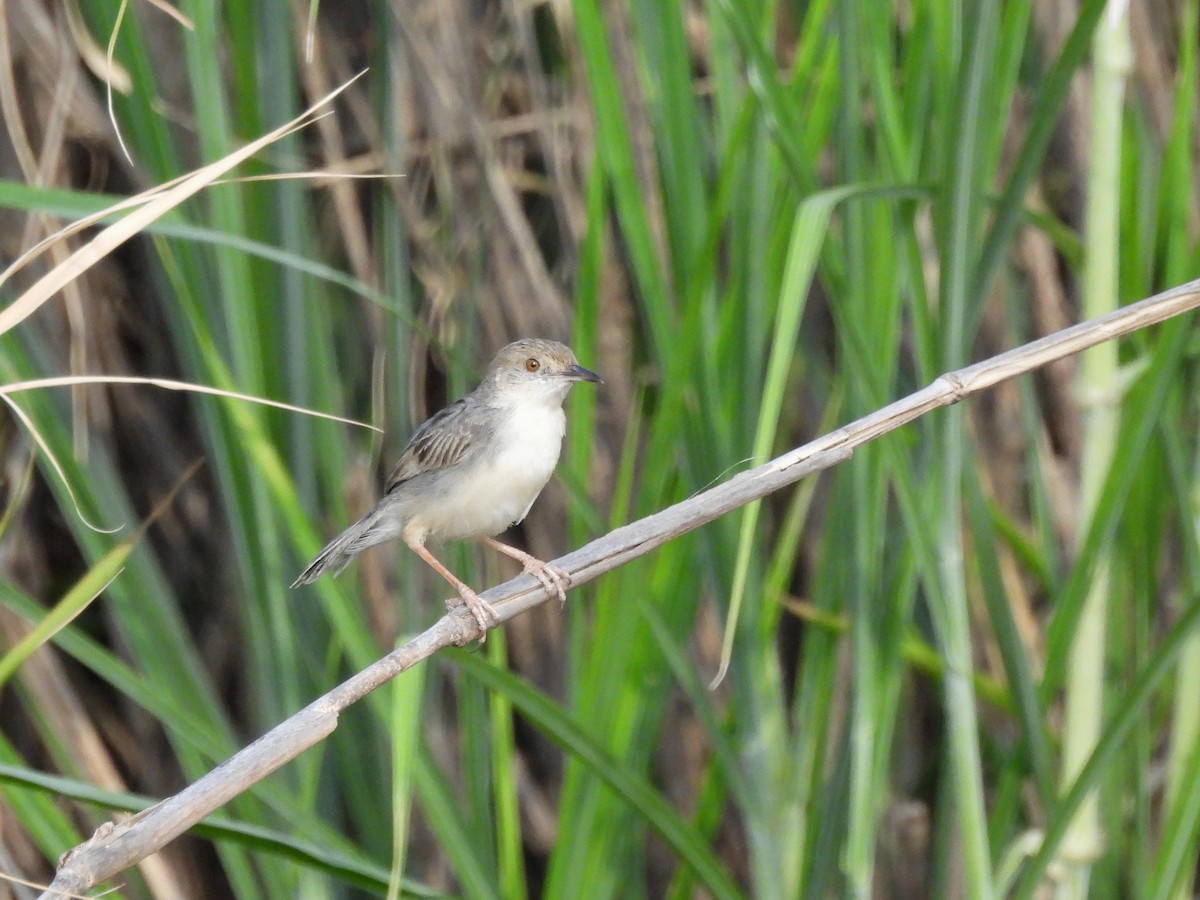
(579, 373)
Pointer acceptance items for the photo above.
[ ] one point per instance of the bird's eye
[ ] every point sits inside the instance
(532, 365)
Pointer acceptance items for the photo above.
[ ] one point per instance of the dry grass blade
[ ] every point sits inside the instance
(13, 879)
(79, 225)
(117, 846)
(172, 385)
(108, 88)
(98, 61)
(24, 419)
(159, 205)
(163, 383)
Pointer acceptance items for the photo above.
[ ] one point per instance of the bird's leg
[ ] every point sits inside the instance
(483, 612)
(553, 579)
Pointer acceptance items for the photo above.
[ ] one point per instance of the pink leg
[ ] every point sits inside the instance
(553, 579)
(483, 612)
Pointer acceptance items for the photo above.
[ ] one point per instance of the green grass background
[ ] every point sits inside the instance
(963, 664)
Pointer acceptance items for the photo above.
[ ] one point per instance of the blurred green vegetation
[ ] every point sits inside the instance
(757, 221)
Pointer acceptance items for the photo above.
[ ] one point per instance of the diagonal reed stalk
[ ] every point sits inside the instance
(115, 847)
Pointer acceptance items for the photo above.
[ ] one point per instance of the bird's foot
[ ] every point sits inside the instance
(553, 579)
(484, 613)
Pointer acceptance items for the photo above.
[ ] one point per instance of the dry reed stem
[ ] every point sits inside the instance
(114, 847)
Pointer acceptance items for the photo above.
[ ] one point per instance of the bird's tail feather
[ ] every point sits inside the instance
(337, 553)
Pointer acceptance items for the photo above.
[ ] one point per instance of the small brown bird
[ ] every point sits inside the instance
(474, 469)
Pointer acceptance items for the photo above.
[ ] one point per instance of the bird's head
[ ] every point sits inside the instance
(538, 367)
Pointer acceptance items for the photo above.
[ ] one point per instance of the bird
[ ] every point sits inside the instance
(473, 470)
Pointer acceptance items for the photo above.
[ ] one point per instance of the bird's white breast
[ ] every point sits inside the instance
(499, 487)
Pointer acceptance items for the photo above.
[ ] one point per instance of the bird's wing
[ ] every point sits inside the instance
(443, 440)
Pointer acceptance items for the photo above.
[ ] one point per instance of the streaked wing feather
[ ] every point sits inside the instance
(441, 441)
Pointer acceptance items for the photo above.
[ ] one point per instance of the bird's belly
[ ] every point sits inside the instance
(498, 489)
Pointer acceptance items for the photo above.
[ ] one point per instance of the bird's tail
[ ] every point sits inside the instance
(337, 553)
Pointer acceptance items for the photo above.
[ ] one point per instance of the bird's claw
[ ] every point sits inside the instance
(484, 613)
(553, 579)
